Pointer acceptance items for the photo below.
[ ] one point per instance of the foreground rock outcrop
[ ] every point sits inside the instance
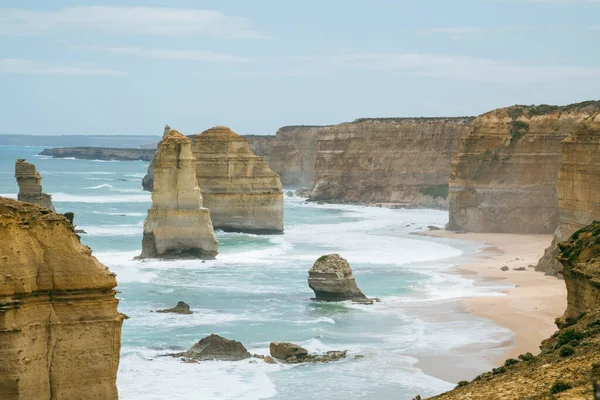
(215, 347)
(578, 187)
(294, 354)
(504, 176)
(100, 153)
(181, 308)
(389, 160)
(30, 185)
(60, 331)
(331, 279)
(569, 363)
(293, 154)
(241, 191)
(177, 225)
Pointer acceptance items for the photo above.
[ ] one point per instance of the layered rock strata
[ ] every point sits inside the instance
(578, 187)
(60, 331)
(392, 160)
(293, 154)
(177, 225)
(568, 366)
(241, 191)
(30, 185)
(503, 178)
(331, 279)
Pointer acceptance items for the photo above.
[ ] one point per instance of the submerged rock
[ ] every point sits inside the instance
(331, 279)
(293, 354)
(177, 225)
(303, 191)
(180, 308)
(215, 347)
(30, 185)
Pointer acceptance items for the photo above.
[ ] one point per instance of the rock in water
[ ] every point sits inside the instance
(214, 347)
(285, 350)
(60, 331)
(30, 185)
(331, 279)
(177, 225)
(241, 191)
(181, 308)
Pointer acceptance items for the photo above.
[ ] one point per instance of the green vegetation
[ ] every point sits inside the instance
(566, 351)
(568, 335)
(510, 361)
(499, 370)
(436, 191)
(322, 258)
(560, 386)
(518, 129)
(526, 357)
(462, 383)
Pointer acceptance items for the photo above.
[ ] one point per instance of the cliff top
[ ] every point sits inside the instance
(292, 127)
(580, 254)
(415, 119)
(530, 111)
(221, 133)
(176, 137)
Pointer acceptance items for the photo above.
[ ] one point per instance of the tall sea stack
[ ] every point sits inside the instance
(30, 185)
(241, 191)
(60, 331)
(177, 225)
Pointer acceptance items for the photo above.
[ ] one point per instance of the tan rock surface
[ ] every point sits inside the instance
(60, 331)
(578, 187)
(331, 279)
(30, 185)
(261, 145)
(241, 191)
(177, 226)
(503, 178)
(391, 160)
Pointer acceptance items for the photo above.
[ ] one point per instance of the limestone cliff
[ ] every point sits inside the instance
(569, 364)
(399, 160)
(241, 191)
(30, 185)
(503, 178)
(177, 225)
(293, 155)
(60, 331)
(578, 187)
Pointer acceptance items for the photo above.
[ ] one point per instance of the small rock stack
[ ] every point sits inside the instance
(30, 185)
(331, 279)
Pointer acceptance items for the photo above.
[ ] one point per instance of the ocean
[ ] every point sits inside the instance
(256, 292)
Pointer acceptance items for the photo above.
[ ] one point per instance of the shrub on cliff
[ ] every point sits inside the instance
(526, 357)
(568, 335)
(510, 361)
(560, 386)
(566, 350)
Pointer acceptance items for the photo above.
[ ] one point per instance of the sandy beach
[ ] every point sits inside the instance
(529, 309)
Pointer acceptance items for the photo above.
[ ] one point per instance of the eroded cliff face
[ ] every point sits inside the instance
(30, 185)
(503, 178)
(569, 363)
(242, 193)
(294, 153)
(177, 225)
(394, 160)
(60, 331)
(578, 187)
(261, 145)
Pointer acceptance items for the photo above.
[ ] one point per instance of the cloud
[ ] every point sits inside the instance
(462, 30)
(444, 66)
(169, 54)
(28, 67)
(154, 21)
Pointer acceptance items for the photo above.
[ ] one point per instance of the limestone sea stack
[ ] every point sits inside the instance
(30, 185)
(177, 225)
(331, 279)
(60, 331)
(241, 191)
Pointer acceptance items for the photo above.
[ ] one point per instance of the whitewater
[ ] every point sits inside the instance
(256, 292)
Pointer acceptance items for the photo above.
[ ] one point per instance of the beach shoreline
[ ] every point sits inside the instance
(528, 309)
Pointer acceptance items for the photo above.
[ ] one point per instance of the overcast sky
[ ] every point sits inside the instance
(111, 67)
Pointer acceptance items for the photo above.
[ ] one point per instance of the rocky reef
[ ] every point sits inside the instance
(100, 153)
(331, 279)
(390, 160)
(504, 176)
(30, 185)
(181, 308)
(568, 366)
(215, 347)
(241, 191)
(293, 154)
(291, 353)
(60, 331)
(578, 187)
(177, 225)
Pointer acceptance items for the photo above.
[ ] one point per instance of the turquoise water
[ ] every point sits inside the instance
(256, 292)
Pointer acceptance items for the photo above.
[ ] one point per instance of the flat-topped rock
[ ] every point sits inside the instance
(30, 185)
(331, 279)
(177, 226)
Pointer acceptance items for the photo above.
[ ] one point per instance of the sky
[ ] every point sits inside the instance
(132, 66)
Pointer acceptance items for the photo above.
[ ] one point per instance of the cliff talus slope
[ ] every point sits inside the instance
(60, 332)
(400, 160)
(503, 178)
